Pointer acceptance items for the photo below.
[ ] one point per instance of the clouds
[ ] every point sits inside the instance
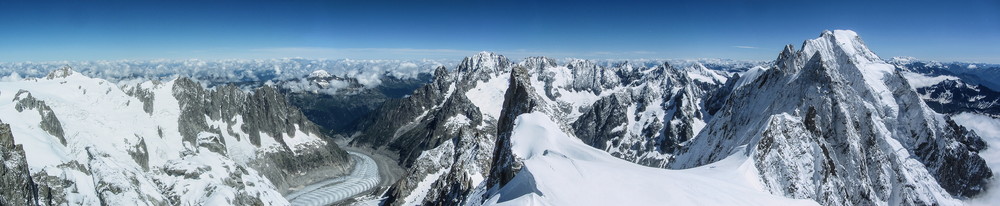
(357, 53)
(416, 53)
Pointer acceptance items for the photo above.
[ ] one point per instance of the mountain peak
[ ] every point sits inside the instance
(319, 74)
(486, 62)
(63, 72)
(839, 45)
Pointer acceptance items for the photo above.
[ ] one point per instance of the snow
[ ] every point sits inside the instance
(320, 74)
(841, 48)
(103, 126)
(435, 162)
(457, 121)
(300, 140)
(750, 76)
(918, 80)
(989, 129)
(489, 95)
(423, 187)
(699, 72)
(561, 170)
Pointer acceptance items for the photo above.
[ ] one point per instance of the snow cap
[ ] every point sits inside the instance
(838, 45)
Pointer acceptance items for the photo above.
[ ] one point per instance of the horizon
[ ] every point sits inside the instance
(966, 31)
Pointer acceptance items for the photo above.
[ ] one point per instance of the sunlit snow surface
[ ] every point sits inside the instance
(103, 125)
(989, 129)
(561, 170)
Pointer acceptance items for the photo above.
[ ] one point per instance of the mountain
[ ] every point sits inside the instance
(337, 103)
(984, 74)
(828, 124)
(88, 141)
(831, 122)
(956, 96)
(834, 123)
(953, 95)
(445, 132)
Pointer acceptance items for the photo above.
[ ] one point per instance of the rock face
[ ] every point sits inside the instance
(851, 132)
(87, 141)
(446, 131)
(50, 123)
(262, 112)
(956, 96)
(520, 98)
(15, 178)
(646, 119)
(337, 103)
(444, 138)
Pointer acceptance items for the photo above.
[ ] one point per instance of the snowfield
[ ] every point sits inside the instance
(94, 143)
(562, 170)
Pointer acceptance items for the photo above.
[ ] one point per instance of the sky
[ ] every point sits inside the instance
(741, 30)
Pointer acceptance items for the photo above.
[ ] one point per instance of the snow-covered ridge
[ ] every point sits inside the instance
(89, 141)
(562, 170)
(833, 105)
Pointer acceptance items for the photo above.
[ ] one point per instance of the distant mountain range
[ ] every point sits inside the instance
(827, 123)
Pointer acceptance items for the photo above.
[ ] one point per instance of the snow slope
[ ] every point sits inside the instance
(562, 170)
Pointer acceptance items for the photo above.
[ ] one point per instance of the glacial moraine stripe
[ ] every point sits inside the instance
(362, 178)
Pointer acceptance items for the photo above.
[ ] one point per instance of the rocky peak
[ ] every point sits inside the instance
(519, 99)
(482, 65)
(834, 116)
(15, 179)
(588, 76)
(440, 72)
(537, 63)
(63, 72)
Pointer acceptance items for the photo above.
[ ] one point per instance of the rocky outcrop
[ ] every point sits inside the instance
(520, 98)
(956, 96)
(443, 137)
(50, 123)
(381, 128)
(15, 178)
(650, 115)
(262, 112)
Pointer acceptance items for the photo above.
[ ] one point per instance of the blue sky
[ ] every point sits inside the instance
(755, 30)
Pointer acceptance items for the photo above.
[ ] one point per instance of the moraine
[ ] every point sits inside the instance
(363, 177)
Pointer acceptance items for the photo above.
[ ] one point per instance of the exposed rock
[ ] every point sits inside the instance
(519, 99)
(50, 123)
(265, 111)
(834, 123)
(15, 178)
(956, 96)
